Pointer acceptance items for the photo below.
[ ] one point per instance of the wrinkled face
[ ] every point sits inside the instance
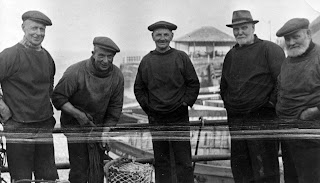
(102, 58)
(34, 32)
(298, 42)
(244, 33)
(162, 37)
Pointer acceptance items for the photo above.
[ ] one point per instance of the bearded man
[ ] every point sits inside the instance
(248, 89)
(299, 98)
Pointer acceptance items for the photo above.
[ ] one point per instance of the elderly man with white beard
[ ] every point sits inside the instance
(299, 98)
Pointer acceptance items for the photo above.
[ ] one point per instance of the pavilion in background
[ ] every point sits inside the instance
(206, 47)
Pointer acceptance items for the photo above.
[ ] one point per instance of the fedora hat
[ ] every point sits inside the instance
(241, 17)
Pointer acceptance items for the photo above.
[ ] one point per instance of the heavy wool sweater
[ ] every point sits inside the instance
(165, 80)
(299, 84)
(26, 76)
(99, 94)
(249, 75)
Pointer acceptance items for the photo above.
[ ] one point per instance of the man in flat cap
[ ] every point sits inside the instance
(248, 89)
(166, 84)
(26, 75)
(299, 98)
(90, 94)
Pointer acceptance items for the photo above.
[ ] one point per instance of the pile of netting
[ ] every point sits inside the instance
(124, 170)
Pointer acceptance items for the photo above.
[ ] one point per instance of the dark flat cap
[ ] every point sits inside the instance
(106, 43)
(37, 16)
(162, 24)
(292, 26)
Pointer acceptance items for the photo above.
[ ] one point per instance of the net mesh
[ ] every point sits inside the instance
(127, 171)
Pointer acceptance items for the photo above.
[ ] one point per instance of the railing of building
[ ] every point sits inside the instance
(131, 59)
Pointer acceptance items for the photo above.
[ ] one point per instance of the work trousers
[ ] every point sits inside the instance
(254, 159)
(79, 161)
(301, 160)
(30, 150)
(171, 147)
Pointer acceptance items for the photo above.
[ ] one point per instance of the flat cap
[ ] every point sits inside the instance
(37, 16)
(292, 26)
(162, 24)
(106, 43)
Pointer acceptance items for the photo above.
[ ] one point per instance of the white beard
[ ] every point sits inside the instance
(295, 52)
(245, 41)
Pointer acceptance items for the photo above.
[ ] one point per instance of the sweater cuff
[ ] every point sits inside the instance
(59, 104)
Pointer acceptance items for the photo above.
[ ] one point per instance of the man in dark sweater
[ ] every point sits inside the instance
(26, 76)
(166, 84)
(299, 99)
(248, 89)
(90, 94)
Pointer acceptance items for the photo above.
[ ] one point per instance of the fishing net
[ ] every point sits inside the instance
(95, 173)
(126, 171)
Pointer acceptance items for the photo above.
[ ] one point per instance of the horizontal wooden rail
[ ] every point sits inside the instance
(197, 158)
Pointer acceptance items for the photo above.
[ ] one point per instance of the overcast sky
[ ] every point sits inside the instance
(77, 22)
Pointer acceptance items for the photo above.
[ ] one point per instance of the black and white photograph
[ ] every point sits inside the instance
(160, 91)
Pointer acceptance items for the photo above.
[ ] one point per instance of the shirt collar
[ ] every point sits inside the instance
(27, 44)
(162, 53)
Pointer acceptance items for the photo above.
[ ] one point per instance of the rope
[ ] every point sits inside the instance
(95, 172)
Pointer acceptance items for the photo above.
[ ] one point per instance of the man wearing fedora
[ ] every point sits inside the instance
(166, 84)
(90, 94)
(248, 89)
(299, 99)
(26, 75)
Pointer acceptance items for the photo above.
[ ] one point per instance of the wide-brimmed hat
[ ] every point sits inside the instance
(241, 17)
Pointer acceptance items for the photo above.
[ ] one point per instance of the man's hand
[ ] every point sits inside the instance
(184, 104)
(85, 119)
(105, 139)
(5, 112)
(105, 146)
(310, 114)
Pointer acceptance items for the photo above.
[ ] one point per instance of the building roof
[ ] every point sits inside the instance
(316, 37)
(315, 29)
(206, 34)
(315, 25)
